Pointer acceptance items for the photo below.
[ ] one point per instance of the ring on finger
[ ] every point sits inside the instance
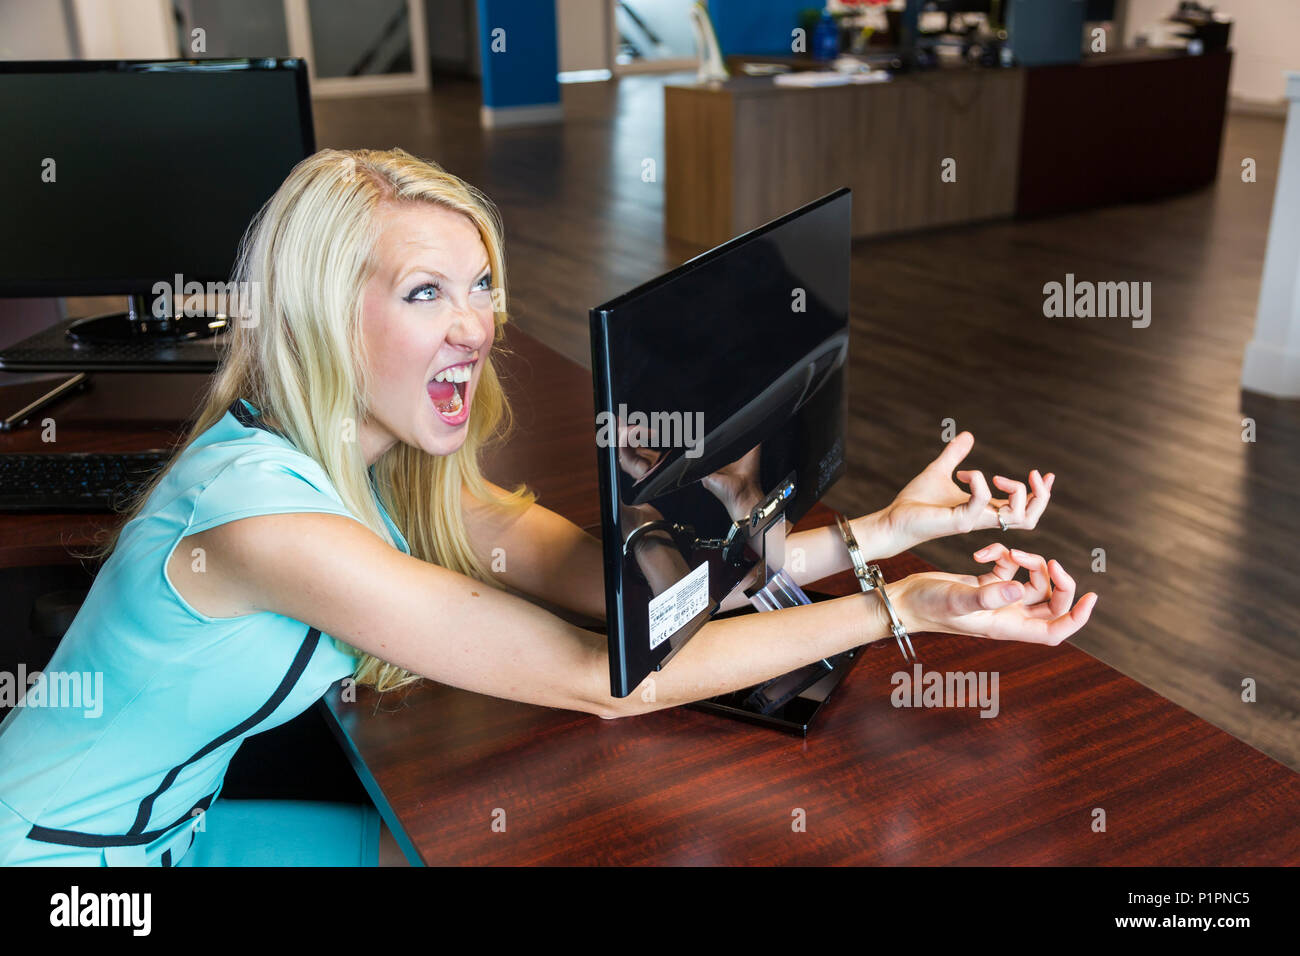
(1002, 521)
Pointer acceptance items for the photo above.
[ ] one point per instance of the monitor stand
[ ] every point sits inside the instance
(789, 702)
(139, 324)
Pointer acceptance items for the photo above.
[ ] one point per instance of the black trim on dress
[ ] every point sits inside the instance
(247, 418)
(305, 651)
(77, 838)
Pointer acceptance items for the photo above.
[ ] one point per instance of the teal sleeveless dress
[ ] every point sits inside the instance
(127, 772)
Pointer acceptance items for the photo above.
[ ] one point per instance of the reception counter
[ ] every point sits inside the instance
(942, 147)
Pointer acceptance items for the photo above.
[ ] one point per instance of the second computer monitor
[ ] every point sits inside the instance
(122, 174)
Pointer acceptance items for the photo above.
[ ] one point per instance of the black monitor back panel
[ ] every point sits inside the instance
(739, 358)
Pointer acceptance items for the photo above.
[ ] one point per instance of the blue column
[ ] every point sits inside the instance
(518, 53)
(758, 26)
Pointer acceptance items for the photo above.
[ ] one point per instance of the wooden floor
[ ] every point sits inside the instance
(1143, 427)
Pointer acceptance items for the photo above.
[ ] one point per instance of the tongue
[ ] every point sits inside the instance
(441, 391)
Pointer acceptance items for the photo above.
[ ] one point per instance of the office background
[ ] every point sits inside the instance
(1142, 426)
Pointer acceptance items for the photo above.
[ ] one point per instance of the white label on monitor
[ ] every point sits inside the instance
(670, 611)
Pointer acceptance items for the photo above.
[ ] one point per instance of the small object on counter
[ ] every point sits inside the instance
(826, 38)
(764, 69)
(830, 78)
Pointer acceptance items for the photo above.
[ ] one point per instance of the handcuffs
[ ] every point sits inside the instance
(871, 579)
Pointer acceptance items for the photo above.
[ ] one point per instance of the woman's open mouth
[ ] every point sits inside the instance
(449, 392)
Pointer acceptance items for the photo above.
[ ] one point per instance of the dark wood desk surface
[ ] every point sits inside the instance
(875, 783)
(115, 413)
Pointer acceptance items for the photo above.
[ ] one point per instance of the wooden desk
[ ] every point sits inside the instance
(877, 784)
(1125, 126)
(1130, 126)
(116, 413)
(744, 151)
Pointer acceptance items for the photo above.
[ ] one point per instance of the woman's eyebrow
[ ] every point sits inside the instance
(486, 267)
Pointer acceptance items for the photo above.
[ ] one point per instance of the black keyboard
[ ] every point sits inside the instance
(75, 481)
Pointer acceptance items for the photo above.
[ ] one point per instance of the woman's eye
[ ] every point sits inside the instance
(423, 293)
(484, 283)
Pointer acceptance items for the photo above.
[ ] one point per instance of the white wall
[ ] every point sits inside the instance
(1272, 364)
(584, 34)
(33, 30)
(129, 29)
(1265, 41)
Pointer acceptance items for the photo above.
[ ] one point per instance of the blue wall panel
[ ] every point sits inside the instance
(757, 26)
(524, 73)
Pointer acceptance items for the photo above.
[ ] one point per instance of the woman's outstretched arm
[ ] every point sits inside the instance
(335, 574)
(540, 553)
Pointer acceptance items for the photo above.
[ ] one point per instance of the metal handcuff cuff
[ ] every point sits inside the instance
(871, 579)
(738, 536)
(684, 537)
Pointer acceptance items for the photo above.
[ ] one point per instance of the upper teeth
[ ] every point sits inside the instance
(459, 373)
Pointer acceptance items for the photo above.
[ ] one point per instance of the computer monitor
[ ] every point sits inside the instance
(720, 399)
(123, 174)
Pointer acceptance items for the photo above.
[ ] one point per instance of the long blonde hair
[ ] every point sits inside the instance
(298, 356)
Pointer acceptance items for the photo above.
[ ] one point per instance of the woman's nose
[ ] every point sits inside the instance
(467, 330)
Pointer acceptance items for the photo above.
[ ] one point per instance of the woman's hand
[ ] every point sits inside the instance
(932, 505)
(993, 605)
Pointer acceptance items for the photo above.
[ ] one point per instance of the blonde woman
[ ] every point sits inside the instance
(326, 517)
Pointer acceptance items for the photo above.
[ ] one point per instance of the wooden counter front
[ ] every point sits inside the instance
(744, 151)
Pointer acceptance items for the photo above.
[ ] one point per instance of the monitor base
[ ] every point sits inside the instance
(118, 327)
(804, 691)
